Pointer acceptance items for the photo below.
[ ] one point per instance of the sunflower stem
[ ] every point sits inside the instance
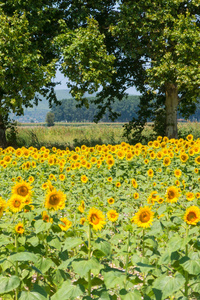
(186, 273)
(89, 255)
(16, 266)
(143, 231)
(127, 255)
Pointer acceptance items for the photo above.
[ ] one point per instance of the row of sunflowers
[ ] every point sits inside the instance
(104, 222)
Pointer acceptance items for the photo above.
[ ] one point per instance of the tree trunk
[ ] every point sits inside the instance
(171, 105)
(3, 142)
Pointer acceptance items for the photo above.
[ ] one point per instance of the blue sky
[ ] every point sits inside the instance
(63, 80)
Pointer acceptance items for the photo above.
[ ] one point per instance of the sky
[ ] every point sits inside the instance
(63, 80)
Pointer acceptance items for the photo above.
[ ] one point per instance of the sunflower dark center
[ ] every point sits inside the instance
(191, 216)
(94, 219)
(17, 203)
(144, 217)
(54, 200)
(22, 191)
(171, 194)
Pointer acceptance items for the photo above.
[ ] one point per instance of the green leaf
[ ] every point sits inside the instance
(68, 291)
(41, 226)
(54, 242)
(8, 284)
(114, 278)
(167, 285)
(82, 267)
(4, 240)
(177, 243)
(34, 241)
(38, 293)
(102, 248)
(44, 264)
(167, 257)
(134, 295)
(24, 256)
(190, 265)
(72, 242)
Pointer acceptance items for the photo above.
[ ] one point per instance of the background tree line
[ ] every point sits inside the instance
(68, 110)
(127, 109)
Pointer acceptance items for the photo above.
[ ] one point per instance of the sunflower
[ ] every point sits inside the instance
(172, 194)
(118, 184)
(31, 179)
(109, 179)
(177, 182)
(190, 196)
(110, 162)
(160, 200)
(111, 200)
(166, 161)
(197, 160)
(45, 217)
(81, 207)
(184, 157)
(192, 215)
(19, 228)
(2, 206)
(84, 179)
(144, 217)
(52, 177)
(55, 200)
(129, 156)
(134, 183)
(66, 224)
(22, 189)
(82, 221)
(16, 203)
(159, 155)
(189, 137)
(112, 215)
(150, 173)
(96, 218)
(177, 173)
(62, 177)
(120, 154)
(136, 195)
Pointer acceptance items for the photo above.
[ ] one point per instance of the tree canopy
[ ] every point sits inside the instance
(153, 45)
(156, 47)
(166, 35)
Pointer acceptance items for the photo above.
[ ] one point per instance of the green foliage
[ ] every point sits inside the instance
(164, 33)
(84, 58)
(68, 110)
(50, 117)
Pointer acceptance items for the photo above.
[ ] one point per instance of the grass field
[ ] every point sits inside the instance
(70, 135)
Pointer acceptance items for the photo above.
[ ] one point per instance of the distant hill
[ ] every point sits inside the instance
(38, 113)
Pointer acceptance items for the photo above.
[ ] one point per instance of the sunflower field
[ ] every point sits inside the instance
(104, 222)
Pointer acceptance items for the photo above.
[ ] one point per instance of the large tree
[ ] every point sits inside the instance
(156, 46)
(28, 56)
(21, 73)
(166, 34)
